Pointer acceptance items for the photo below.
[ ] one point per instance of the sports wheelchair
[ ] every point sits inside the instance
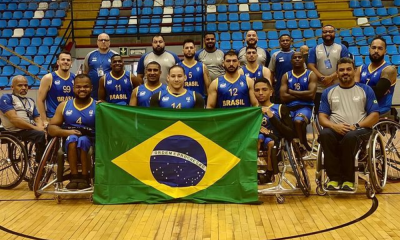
(17, 160)
(290, 159)
(53, 170)
(370, 165)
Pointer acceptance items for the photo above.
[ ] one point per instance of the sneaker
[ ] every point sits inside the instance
(72, 185)
(348, 186)
(333, 185)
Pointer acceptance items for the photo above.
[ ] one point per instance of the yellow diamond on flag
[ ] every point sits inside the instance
(178, 161)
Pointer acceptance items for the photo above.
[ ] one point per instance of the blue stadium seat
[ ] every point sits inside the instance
(280, 24)
(222, 27)
(387, 59)
(176, 19)
(244, 17)
(392, 11)
(381, 12)
(31, 51)
(127, 4)
(53, 5)
(361, 41)
(287, 6)
(278, 15)
(354, 4)
(12, 6)
(393, 30)
(374, 21)
(24, 42)
(312, 14)
(7, 71)
(308, 33)
(257, 25)
(154, 29)
(28, 14)
(225, 45)
(369, 31)
(309, 5)
(301, 14)
(111, 30)
(132, 30)
(114, 12)
(101, 22)
(48, 41)
(261, 35)
(284, 32)
(13, 42)
(20, 50)
(34, 23)
(357, 32)
(365, 3)
(276, 7)
(262, 44)
(311, 43)
(396, 21)
(33, 69)
(6, 53)
(49, 14)
(7, 15)
(273, 44)
(297, 34)
(104, 12)
(237, 36)
(234, 26)
(254, 7)
(391, 49)
(291, 24)
(120, 30)
(298, 6)
(272, 35)
(43, 50)
(265, 7)
(153, 20)
(189, 9)
(369, 12)
(232, 1)
(211, 17)
(396, 39)
(376, 3)
(12, 23)
(3, 82)
(304, 24)
(358, 12)
(242, 1)
(266, 16)
(396, 60)
(169, 3)
(32, 6)
(45, 22)
(225, 36)
(245, 26)
(17, 15)
(354, 50)
(3, 23)
(387, 21)
(289, 15)
(7, 33)
(222, 17)
(56, 22)
(36, 42)
(149, 11)
(380, 30)
(350, 40)
(221, 9)
(237, 44)
(41, 32)
(211, 27)
(298, 43)
(397, 3)
(23, 23)
(364, 50)
(315, 23)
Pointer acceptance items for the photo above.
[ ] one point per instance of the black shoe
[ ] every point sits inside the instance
(73, 184)
(269, 176)
(84, 182)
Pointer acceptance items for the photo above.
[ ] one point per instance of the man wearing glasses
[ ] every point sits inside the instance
(165, 58)
(98, 62)
(323, 60)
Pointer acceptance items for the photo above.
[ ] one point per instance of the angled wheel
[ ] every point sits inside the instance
(299, 168)
(47, 166)
(390, 131)
(377, 162)
(13, 161)
(32, 165)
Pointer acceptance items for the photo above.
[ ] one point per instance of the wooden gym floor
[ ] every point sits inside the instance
(315, 217)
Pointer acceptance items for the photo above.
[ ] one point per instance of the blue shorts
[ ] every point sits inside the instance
(265, 139)
(83, 142)
(305, 111)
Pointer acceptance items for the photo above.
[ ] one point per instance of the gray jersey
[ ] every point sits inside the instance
(319, 56)
(214, 62)
(348, 105)
(263, 56)
(24, 108)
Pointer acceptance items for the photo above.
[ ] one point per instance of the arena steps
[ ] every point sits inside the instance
(337, 14)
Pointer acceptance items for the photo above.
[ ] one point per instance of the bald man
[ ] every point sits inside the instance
(19, 115)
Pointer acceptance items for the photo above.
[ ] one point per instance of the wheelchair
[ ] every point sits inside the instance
(290, 159)
(53, 171)
(389, 130)
(17, 160)
(370, 165)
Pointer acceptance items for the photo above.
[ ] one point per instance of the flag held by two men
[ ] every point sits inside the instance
(160, 155)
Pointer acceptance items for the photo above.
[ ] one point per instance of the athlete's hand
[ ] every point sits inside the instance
(75, 132)
(267, 111)
(342, 128)
(99, 101)
(264, 130)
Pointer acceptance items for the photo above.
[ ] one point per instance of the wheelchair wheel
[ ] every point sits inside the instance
(32, 165)
(377, 162)
(318, 173)
(299, 169)
(13, 161)
(47, 166)
(389, 131)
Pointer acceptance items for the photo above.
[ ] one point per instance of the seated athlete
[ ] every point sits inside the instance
(141, 95)
(298, 88)
(175, 95)
(116, 86)
(276, 123)
(75, 120)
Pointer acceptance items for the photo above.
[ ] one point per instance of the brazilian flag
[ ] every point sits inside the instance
(154, 155)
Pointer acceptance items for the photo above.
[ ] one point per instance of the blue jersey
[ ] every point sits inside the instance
(99, 64)
(60, 91)
(118, 90)
(276, 110)
(144, 94)
(371, 78)
(233, 94)
(195, 77)
(82, 119)
(170, 100)
(280, 64)
(299, 83)
(253, 74)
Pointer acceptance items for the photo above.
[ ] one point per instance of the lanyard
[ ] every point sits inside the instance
(27, 110)
(326, 52)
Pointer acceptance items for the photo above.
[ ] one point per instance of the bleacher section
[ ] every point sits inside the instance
(29, 29)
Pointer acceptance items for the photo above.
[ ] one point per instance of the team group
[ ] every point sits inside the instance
(287, 86)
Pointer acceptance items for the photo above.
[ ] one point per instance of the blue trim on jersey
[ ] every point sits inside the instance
(82, 119)
(257, 73)
(233, 94)
(118, 90)
(61, 90)
(170, 100)
(144, 94)
(194, 77)
(299, 83)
